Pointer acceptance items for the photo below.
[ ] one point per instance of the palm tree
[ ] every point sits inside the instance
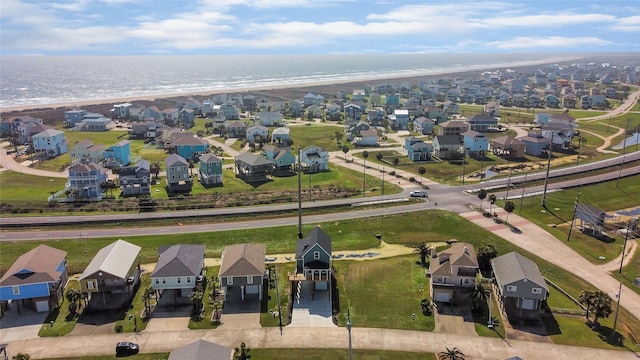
(421, 171)
(587, 298)
(241, 353)
(480, 293)
(509, 206)
(21, 356)
(484, 255)
(481, 195)
(423, 250)
(155, 168)
(196, 297)
(451, 354)
(339, 136)
(345, 150)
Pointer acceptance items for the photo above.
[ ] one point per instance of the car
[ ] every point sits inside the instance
(418, 193)
(126, 348)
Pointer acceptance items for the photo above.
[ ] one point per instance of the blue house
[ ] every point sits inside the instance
(118, 154)
(85, 181)
(423, 125)
(187, 118)
(418, 150)
(392, 99)
(313, 259)
(399, 120)
(73, 117)
(187, 145)
(474, 142)
(36, 279)
(210, 169)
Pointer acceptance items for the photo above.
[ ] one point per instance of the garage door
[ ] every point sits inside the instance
(443, 297)
(528, 304)
(42, 306)
(252, 289)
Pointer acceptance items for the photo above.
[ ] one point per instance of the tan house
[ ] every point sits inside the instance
(452, 270)
(112, 275)
(242, 270)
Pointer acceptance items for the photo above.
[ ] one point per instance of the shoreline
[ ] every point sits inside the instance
(318, 86)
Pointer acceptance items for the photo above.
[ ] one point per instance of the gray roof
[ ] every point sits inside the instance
(513, 267)
(115, 259)
(448, 139)
(243, 260)
(201, 350)
(174, 159)
(209, 158)
(253, 159)
(179, 260)
(316, 236)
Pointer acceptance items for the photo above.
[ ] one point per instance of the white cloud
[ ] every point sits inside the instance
(628, 24)
(534, 43)
(75, 6)
(546, 20)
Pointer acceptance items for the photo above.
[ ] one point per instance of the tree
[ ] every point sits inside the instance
(155, 168)
(345, 150)
(73, 296)
(423, 250)
(481, 195)
(421, 171)
(339, 136)
(196, 298)
(492, 200)
(484, 255)
(587, 298)
(451, 354)
(241, 353)
(396, 161)
(601, 305)
(509, 206)
(146, 298)
(21, 356)
(480, 294)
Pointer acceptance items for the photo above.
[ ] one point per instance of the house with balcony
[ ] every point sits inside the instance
(423, 125)
(447, 146)
(399, 120)
(313, 261)
(475, 143)
(253, 168)
(50, 143)
(283, 159)
(121, 111)
(508, 147)
(535, 143)
(210, 169)
(367, 138)
(519, 283)
(417, 149)
(269, 118)
(314, 159)
(36, 280)
(452, 271)
(236, 129)
(94, 122)
(353, 111)
(242, 272)
(73, 117)
(117, 155)
(280, 136)
(295, 108)
(85, 152)
(178, 178)
(256, 132)
(229, 111)
(187, 145)
(112, 275)
(177, 270)
(482, 122)
(152, 113)
(452, 127)
(135, 180)
(85, 181)
(187, 117)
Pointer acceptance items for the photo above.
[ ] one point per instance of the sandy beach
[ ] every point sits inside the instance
(289, 91)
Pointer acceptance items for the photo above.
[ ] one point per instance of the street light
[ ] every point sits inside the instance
(349, 330)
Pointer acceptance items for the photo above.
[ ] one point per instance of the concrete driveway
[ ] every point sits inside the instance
(455, 319)
(22, 326)
(313, 310)
(238, 313)
(175, 320)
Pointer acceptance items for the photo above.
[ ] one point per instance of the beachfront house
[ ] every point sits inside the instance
(73, 117)
(50, 143)
(94, 122)
(36, 279)
(135, 180)
(210, 169)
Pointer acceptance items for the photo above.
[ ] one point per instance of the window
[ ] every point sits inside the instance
(229, 280)
(316, 255)
(536, 290)
(249, 279)
(189, 280)
(179, 280)
(512, 288)
(16, 290)
(157, 281)
(164, 281)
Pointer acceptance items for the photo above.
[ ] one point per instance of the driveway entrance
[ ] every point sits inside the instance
(314, 308)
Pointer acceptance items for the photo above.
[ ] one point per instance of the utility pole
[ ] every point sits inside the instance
(615, 320)
(624, 247)
(349, 330)
(546, 178)
(624, 148)
(508, 184)
(299, 196)
(575, 209)
(278, 300)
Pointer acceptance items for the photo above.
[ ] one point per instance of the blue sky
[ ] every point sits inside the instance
(146, 27)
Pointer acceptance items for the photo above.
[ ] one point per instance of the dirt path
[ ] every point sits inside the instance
(607, 140)
(614, 265)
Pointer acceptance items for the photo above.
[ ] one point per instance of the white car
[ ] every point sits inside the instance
(418, 193)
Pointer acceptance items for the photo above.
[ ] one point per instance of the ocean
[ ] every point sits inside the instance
(42, 80)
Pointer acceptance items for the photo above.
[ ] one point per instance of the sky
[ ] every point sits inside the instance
(219, 27)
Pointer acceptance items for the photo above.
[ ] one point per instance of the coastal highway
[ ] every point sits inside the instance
(455, 199)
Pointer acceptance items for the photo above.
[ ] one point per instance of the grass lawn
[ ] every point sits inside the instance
(269, 303)
(323, 136)
(383, 293)
(559, 212)
(63, 321)
(22, 188)
(208, 302)
(335, 354)
(630, 272)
